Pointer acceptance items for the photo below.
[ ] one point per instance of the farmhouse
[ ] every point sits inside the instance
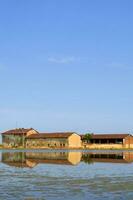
(108, 141)
(16, 137)
(54, 140)
(30, 138)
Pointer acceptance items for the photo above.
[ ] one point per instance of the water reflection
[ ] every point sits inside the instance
(111, 157)
(31, 159)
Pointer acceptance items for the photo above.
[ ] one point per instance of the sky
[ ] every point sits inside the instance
(66, 65)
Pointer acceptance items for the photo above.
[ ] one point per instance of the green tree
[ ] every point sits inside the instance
(87, 137)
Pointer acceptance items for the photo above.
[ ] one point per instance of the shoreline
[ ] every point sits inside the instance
(64, 149)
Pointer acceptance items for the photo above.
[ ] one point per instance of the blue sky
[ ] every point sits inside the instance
(66, 65)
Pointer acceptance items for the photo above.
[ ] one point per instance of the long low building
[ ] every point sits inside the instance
(30, 138)
(54, 140)
(108, 141)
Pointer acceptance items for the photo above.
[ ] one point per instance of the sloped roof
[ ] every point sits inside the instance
(107, 136)
(18, 131)
(50, 135)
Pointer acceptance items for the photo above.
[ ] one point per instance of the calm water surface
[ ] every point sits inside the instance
(66, 175)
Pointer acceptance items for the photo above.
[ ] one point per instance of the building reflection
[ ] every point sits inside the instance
(32, 159)
(110, 157)
(17, 159)
(63, 158)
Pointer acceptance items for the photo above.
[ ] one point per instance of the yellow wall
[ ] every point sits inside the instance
(74, 141)
(104, 146)
(74, 157)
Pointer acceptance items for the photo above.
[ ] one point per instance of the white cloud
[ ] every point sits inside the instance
(63, 60)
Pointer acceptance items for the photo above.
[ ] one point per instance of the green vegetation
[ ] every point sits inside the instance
(87, 137)
(87, 158)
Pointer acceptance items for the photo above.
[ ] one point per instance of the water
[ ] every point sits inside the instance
(48, 175)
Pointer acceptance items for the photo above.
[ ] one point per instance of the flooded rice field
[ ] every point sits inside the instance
(48, 175)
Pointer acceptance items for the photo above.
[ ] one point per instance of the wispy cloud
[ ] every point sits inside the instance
(63, 60)
(119, 65)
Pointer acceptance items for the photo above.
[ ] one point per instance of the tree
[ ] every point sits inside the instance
(87, 137)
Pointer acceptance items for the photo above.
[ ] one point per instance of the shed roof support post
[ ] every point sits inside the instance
(123, 141)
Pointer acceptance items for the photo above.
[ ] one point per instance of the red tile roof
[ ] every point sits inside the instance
(107, 136)
(50, 135)
(17, 131)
